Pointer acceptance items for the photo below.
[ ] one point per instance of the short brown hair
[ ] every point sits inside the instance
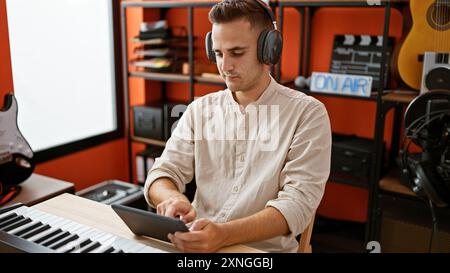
(231, 10)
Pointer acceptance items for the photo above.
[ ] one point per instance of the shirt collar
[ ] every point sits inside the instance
(265, 96)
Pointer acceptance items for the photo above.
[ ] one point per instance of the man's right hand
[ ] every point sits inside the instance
(177, 207)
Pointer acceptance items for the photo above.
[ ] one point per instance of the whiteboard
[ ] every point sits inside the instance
(62, 56)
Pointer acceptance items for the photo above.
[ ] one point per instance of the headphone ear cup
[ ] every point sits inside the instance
(208, 46)
(270, 45)
(273, 47)
(261, 47)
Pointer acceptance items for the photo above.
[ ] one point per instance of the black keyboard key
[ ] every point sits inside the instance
(91, 247)
(81, 245)
(56, 239)
(7, 217)
(64, 242)
(17, 224)
(48, 236)
(25, 230)
(85, 243)
(11, 221)
(36, 232)
(109, 250)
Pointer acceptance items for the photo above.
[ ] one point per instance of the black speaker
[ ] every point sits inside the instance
(157, 120)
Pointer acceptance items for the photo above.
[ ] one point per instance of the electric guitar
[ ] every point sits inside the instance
(430, 32)
(16, 155)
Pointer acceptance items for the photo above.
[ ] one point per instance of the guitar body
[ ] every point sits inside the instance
(430, 32)
(16, 163)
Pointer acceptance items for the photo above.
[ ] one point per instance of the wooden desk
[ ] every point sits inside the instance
(102, 217)
(38, 188)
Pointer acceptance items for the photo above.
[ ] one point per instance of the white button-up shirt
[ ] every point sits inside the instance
(276, 152)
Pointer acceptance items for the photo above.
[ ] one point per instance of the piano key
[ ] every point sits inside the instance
(109, 250)
(46, 232)
(82, 241)
(106, 241)
(32, 226)
(49, 235)
(35, 232)
(90, 247)
(56, 239)
(74, 245)
(11, 221)
(136, 248)
(33, 214)
(71, 238)
(17, 224)
(125, 245)
(6, 210)
(8, 217)
(18, 211)
(22, 227)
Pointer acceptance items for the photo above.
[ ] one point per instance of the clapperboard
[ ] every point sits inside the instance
(360, 55)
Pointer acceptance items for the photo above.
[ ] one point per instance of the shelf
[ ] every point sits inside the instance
(348, 181)
(156, 142)
(208, 80)
(172, 77)
(337, 3)
(373, 97)
(399, 96)
(170, 4)
(392, 183)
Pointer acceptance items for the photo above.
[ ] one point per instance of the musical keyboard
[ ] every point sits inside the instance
(28, 229)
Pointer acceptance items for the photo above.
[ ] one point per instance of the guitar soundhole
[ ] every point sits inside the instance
(438, 16)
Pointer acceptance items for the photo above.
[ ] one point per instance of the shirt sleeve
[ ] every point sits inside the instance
(177, 159)
(306, 171)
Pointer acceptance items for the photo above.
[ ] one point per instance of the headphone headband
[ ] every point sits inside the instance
(268, 11)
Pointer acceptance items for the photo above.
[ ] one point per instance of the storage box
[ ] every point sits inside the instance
(155, 120)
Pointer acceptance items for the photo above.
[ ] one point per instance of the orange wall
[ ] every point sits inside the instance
(85, 168)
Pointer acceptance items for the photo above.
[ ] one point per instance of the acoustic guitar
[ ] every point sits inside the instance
(430, 31)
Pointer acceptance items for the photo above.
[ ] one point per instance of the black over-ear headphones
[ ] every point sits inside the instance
(270, 42)
(427, 124)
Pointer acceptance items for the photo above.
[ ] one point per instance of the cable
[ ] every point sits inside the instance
(434, 229)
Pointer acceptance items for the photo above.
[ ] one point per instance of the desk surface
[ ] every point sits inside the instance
(38, 188)
(102, 217)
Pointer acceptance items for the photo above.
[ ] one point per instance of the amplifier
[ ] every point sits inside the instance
(157, 120)
(351, 159)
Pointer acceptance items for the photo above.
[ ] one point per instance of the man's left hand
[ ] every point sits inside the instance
(204, 236)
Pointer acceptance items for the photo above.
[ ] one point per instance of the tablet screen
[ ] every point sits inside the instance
(149, 224)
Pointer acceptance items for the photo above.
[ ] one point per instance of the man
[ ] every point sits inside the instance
(249, 190)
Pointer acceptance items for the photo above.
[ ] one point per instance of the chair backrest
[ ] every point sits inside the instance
(304, 244)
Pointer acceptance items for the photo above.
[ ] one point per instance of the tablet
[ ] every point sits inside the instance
(142, 222)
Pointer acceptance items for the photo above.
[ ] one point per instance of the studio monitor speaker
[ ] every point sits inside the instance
(436, 72)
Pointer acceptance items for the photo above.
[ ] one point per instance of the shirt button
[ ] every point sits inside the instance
(222, 214)
(242, 158)
(236, 189)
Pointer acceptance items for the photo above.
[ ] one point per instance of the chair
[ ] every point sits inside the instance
(304, 244)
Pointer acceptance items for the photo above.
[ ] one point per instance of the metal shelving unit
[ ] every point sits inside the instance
(164, 78)
(384, 102)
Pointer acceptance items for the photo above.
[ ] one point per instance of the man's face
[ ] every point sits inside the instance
(235, 46)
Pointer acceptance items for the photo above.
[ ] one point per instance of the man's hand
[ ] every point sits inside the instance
(177, 207)
(204, 236)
